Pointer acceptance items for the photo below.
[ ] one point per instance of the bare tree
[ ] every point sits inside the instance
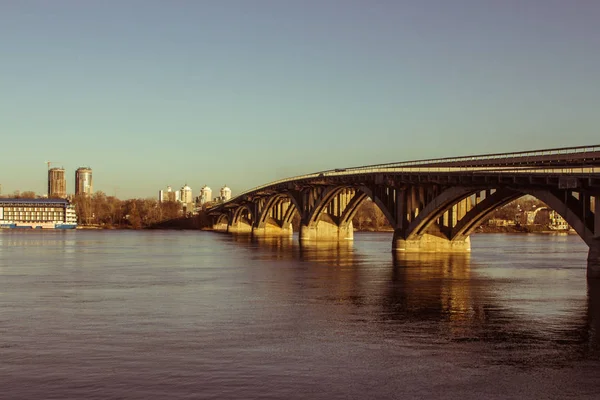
(28, 194)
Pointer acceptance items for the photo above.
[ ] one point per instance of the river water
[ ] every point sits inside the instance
(201, 315)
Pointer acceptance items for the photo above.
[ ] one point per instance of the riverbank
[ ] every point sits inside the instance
(192, 224)
(520, 229)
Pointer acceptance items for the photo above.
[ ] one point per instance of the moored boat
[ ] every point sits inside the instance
(37, 214)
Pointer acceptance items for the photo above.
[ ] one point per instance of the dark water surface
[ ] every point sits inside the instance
(195, 315)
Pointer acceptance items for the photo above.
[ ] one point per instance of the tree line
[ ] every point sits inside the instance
(109, 211)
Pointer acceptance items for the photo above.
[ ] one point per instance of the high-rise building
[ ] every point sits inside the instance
(57, 184)
(83, 181)
(169, 195)
(186, 194)
(225, 193)
(205, 195)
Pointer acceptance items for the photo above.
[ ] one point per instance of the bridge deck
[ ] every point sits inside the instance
(581, 160)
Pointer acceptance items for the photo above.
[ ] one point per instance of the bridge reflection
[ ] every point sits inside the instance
(433, 284)
(446, 296)
(331, 253)
(590, 334)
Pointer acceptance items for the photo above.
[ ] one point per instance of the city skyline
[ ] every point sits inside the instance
(71, 189)
(154, 93)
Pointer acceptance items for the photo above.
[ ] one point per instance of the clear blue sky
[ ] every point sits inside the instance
(155, 93)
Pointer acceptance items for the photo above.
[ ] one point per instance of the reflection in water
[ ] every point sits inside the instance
(445, 296)
(32, 237)
(332, 268)
(440, 295)
(591, 335)
(155, 314)
(436, 286)
(338, 254)
(287, 247)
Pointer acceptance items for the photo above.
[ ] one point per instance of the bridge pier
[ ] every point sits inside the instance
(326, 231)
(593, 266)
(271, 230)
(240, 227)
(430, 243)
(221, 227)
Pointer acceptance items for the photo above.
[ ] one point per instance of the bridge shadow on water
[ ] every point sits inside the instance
(441, 296)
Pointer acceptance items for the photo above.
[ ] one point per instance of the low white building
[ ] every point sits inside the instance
(558, 223)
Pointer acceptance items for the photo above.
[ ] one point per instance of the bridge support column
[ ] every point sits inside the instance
(430, 243)
(222, 227)
(325, 231)
(593, 267)
(273, 231)
(240, 228)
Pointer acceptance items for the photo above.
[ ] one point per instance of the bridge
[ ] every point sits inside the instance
(432, 205)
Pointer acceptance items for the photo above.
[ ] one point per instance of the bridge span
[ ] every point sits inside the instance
(433, 205)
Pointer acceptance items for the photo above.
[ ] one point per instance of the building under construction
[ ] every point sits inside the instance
(57, 184)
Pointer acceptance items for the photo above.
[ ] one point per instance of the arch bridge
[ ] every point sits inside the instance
(432, 205)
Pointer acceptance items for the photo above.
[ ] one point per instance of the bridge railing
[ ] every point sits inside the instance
(462, 169)
(515, 162)
(515, 158)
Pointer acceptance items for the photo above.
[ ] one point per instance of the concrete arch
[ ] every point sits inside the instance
(475, 216)
(352, 208)
(221, 223)
(379, 203)
(435, 209)
(222, 219)
(239, 212)
(328, 195)
(272, 202)
(324, 211)
(290, 213)
(568, 213)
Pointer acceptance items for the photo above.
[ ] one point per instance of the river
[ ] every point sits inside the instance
(202, 315)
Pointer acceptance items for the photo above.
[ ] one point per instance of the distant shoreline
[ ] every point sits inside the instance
(520, 229)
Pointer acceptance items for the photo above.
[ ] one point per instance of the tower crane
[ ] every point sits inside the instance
(50, 162)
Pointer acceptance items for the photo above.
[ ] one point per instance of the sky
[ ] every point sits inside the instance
(244, 92)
